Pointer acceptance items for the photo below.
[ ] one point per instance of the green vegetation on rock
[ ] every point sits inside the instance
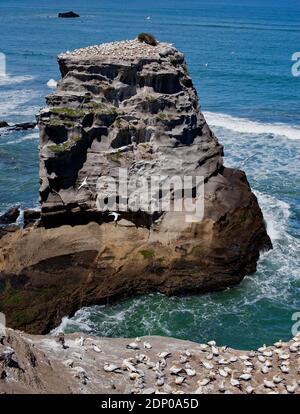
(162, 116)
(115, 156)
(65, 146)
(147, 254)
(69, 112)
(101, 108)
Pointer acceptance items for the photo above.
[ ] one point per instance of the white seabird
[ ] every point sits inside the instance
(115, 215)
(83, 184)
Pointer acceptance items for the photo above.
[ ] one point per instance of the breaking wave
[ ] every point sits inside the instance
(246, 126)
(14, 80)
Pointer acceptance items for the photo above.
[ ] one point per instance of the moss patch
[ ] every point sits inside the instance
(196, 251)
(68, 112)
(101, 108)
(121, 123)
(53, 122)
(65, 146)
(147, 254)
(162, 116)
(115, 156)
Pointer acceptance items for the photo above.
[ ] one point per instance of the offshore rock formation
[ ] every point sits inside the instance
(125, 105)
(68, 15)
(149, 365)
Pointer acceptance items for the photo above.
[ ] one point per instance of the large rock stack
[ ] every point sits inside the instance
(132, 106)
(121, 105)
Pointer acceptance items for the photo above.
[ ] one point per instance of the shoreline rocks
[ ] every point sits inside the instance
(147, 365)
(23, 126)
(10, 216)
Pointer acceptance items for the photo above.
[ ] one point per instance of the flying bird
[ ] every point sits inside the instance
(83, 184)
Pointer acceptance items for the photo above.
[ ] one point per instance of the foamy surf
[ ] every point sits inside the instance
(14, 80)
(16, 103)
(246, 126)
(28, 137)
(276, 213)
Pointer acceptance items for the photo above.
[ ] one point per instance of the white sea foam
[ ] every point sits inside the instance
(276, 213)
(61, 327)
(29, 137)
(246, 126)
(13, 80)
(14, 102)
(77, 322)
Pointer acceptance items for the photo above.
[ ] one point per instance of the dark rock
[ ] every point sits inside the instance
(31, 217)
(147, 38)
(6, 356)
(10, 216)
(70, 14)
(4, 124)
(23, 126)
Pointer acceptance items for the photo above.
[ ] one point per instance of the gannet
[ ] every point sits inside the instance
(83, 184)
(116, 215)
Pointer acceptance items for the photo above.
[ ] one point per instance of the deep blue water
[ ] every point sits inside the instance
(239, 55)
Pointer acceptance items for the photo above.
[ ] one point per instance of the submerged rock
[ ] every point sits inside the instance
(132, 106)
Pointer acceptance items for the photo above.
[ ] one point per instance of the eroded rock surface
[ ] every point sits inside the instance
(123, 105)
(133, 106)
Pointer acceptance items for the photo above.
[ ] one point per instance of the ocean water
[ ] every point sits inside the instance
(239, 55)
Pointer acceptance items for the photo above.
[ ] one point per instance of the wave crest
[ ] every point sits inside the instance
(246, 126)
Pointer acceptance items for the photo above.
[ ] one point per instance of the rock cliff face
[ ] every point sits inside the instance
(125, 105)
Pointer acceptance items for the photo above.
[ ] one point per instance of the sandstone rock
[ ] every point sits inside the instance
(31, 217)
(130, 105)
(11, 228)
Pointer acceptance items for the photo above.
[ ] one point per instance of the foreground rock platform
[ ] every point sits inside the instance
(84, 364)
(133, 106)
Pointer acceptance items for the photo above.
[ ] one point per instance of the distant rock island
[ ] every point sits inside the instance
(68, 15)
(128, 105)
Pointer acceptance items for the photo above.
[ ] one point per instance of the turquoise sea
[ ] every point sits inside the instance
(239, 55)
